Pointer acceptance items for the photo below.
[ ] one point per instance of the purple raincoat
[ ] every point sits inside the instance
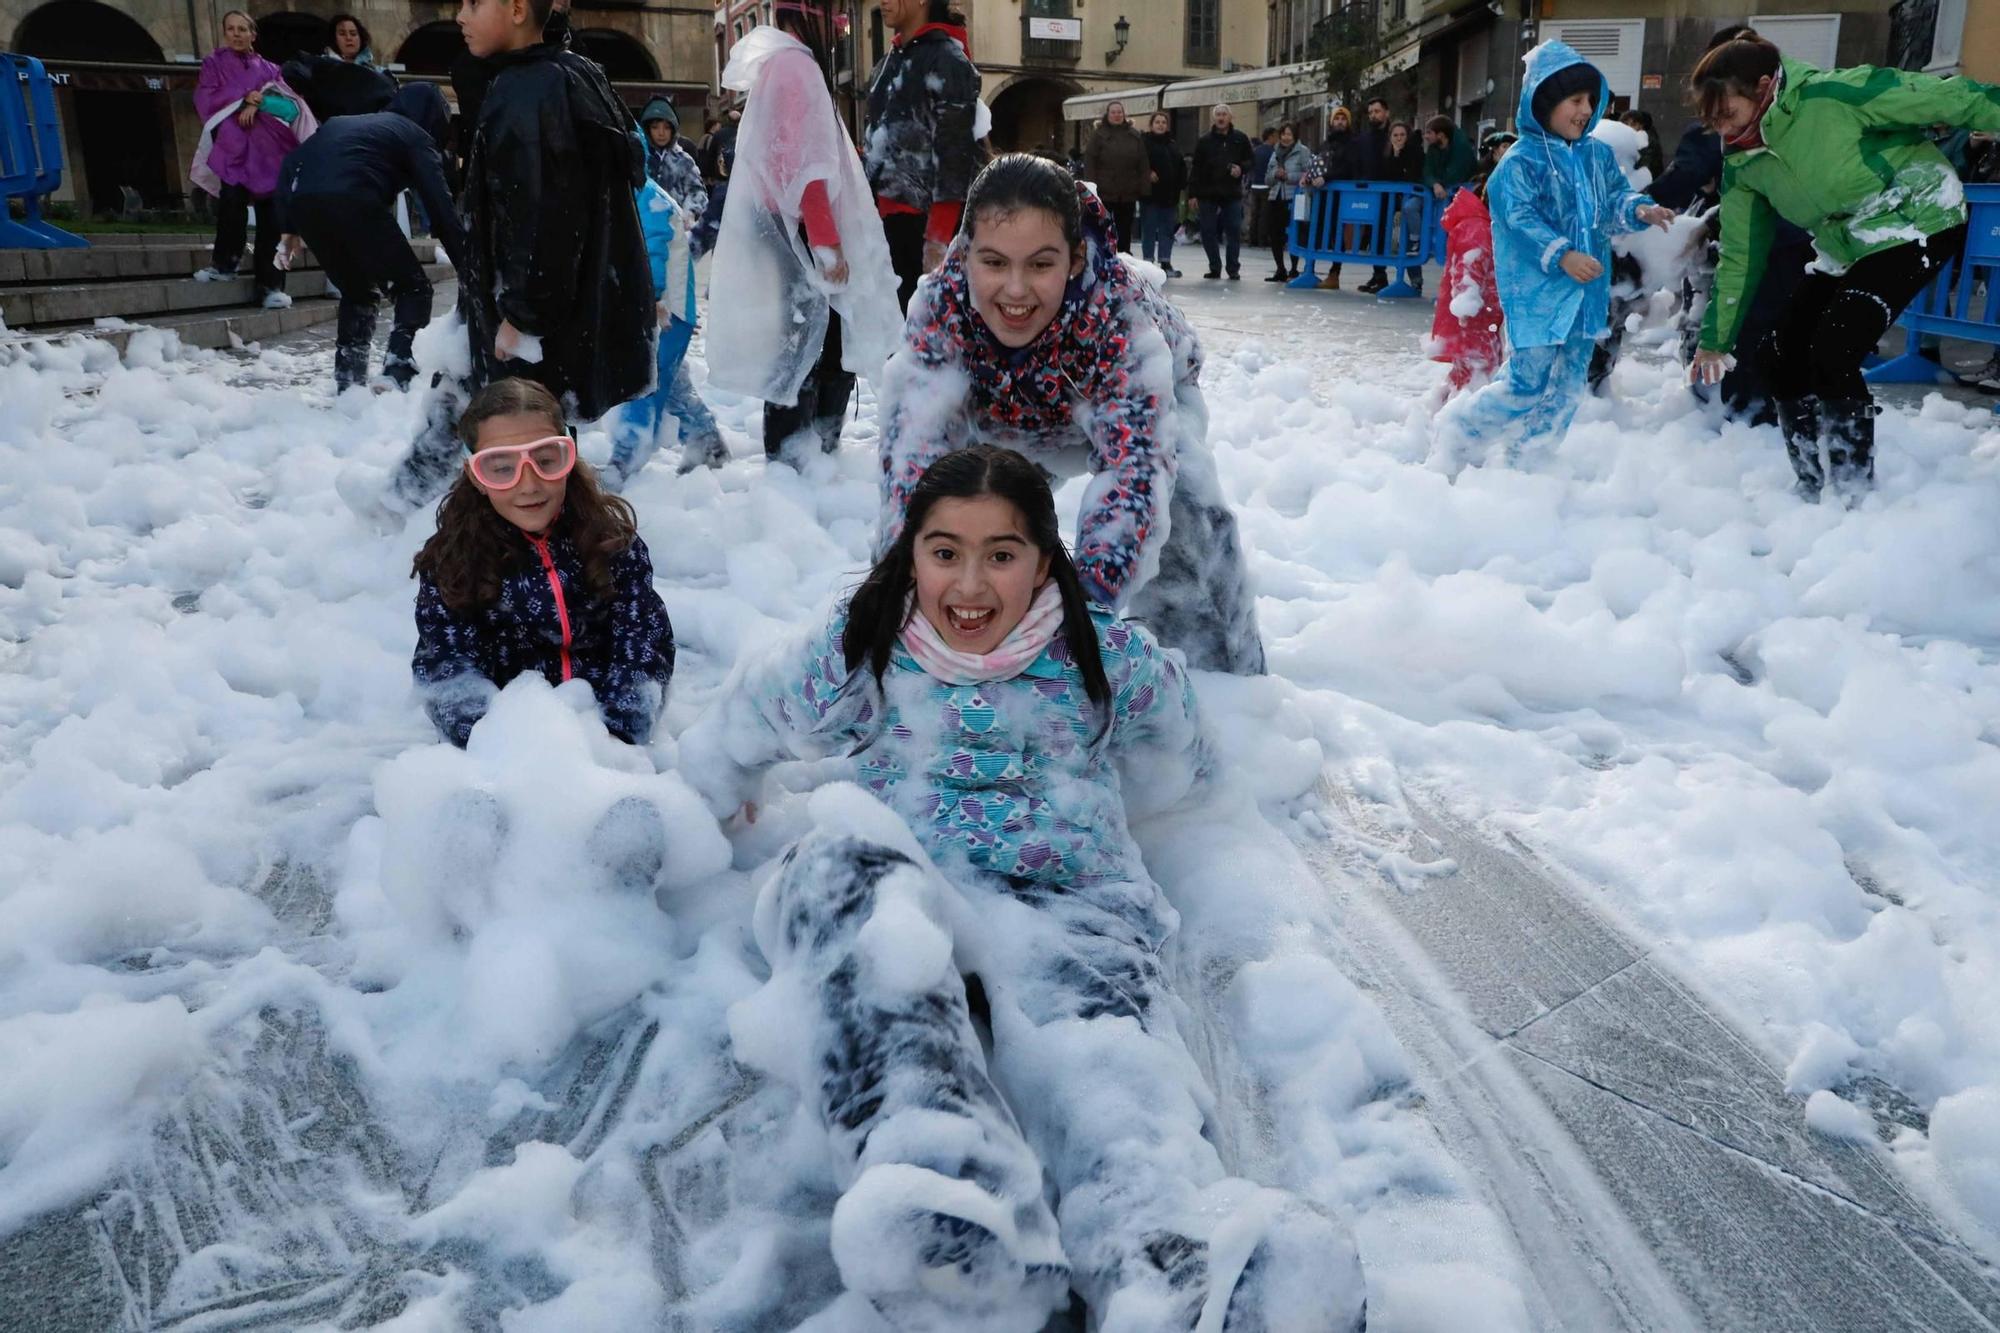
(237, 156)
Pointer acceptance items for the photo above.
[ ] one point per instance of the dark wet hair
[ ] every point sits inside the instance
(333, 30)
(879, 608)
(1014, 181)
(1730, 68)
(474, 549)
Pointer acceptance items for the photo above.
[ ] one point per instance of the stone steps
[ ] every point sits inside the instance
(123, 258)
(38, 308)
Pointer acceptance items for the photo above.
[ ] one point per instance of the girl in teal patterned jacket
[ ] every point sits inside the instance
(1006, 720)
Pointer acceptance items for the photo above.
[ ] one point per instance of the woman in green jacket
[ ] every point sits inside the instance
(1843, 154)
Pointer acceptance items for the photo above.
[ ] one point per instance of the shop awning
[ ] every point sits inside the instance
(1307, 79)
(1090, 106)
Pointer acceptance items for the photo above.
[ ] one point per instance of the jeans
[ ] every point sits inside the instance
(1534, 398)
(232, 221)
(1222, 220)
(635, 426)
(1157, 224)
(365, 255)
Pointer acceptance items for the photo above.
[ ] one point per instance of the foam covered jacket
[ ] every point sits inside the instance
(1474, 339)
(544, 620)
(1548, 197)
(919, 148)
(1102, 376)
(1016, 777)
(1847, 156)
(553, 243)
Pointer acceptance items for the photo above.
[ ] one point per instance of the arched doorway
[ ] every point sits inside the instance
(1027, 113)
(120, 129)
(282, 36)
(624, 58)
(432, 48)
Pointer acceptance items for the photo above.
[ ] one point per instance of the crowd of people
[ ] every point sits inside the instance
(989, 680)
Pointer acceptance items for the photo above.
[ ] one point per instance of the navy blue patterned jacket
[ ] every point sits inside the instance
(544, 620)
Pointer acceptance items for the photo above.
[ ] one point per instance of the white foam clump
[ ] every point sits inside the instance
(1838, 1118)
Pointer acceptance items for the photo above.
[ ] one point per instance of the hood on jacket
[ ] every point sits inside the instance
(1544, 63)
(660, 109)
(1466, 213)
(424, 104)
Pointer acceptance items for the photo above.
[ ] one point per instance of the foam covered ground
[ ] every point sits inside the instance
(304, 1037)
(275, 1047)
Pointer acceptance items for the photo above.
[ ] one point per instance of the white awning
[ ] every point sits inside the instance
(1307, 79)
(1090, 106)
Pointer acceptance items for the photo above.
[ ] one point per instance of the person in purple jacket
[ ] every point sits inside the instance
(249, 127)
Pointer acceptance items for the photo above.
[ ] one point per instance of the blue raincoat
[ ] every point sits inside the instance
(1550, 196)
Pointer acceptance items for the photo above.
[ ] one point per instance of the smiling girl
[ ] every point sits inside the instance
(1036, 336)
(534, 568)
(1004, 718)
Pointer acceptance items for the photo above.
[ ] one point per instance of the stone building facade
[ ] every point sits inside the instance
(125, 74)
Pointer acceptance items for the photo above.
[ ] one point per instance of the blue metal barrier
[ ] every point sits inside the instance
(30, 154)
(1382, 225)
(1954, 305)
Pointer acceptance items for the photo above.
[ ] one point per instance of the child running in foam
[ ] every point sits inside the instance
(1002, 715)
(534, 568)
(1557, 198)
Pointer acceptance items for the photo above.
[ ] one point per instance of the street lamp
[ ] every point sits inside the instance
(1121, 32)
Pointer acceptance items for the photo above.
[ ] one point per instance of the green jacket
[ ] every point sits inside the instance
(1846, 157)
(1452, 165)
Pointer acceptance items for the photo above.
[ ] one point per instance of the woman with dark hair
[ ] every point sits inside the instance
(1003, 717)
(1036, 334)
(351, 42)
(1843, 154)
(803, 297)
(1291, 162)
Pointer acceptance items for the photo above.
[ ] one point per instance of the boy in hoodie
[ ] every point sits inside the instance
(669, 165)
(337, 193)
(555, 285)
(1556, 200)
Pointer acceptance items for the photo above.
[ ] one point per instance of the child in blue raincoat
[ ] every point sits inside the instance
(635, 426)
(1557, 198)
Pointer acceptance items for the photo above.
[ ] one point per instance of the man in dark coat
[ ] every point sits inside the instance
(337, 193)
(919, 152)
(1372, 163)
(1223, 158)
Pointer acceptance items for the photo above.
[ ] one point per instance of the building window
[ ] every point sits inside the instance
(1204, 32)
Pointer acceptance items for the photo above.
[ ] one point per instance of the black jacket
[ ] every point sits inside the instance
(919, 148)
(1371, 152)
(335, 87)
(368, 160)
(1339, 158)
(553, 241)
(1163, 159)
(1406, 167)
(1694, 172)
(1214, 155)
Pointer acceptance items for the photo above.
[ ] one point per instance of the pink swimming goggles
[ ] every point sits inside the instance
(500, 467)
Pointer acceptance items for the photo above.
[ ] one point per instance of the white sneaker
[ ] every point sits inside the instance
(212, 274)
(275, 300)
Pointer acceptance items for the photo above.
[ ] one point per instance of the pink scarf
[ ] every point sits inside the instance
(1023, 644)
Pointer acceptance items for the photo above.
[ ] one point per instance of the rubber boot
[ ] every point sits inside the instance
(1799, 419)
(354, 333)
(1847, 438)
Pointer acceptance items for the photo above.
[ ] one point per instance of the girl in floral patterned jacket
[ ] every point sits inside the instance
(535, 568)
(1007, 720)
(1037, 335)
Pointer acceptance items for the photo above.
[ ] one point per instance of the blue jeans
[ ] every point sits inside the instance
(1157, 224)
(1535, 397)
(1222, 219)
(635, 426)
